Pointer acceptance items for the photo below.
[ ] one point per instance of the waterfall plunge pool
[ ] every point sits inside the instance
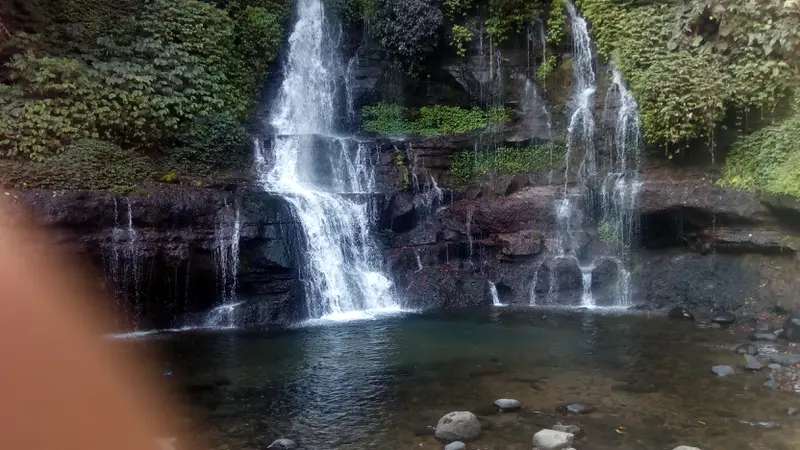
(380, 383)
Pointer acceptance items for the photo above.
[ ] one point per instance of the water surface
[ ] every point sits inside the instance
(378, 384)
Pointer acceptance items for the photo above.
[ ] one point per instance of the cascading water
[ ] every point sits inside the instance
(341, 265)
(123, 265)
(226, 251)
(495, 295)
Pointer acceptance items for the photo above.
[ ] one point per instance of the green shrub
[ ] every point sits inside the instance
(767, 159)
(606, 232)
(93, 165)
(393, 120)
(208, 145)
(468, 165)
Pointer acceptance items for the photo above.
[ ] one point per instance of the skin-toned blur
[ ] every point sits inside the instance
(62, 385)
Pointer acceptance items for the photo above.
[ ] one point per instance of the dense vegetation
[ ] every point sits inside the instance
(168, 81)
(394, 120)
(469, 165)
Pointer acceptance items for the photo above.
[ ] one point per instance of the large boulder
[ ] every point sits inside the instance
(552, 440)
(791, 328)
(458, 426)
(521, 243)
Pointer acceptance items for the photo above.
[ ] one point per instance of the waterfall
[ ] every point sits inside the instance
(468, 227)
(123, 265)
(495, 296)
(420, 267)
(341, 265)
(623, 180)
(226, 251)
(534, 107)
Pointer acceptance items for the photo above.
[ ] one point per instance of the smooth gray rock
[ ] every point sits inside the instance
(723, 371)
(770, 383)
(751, 363)
(458, 426)
(283, 444)
(552, 440)
(574, 429)
(747, 349)
(685, 447)
(457, 445)
(724, 318)
(764, 337)
(774, 366)
(791, 410)
(791, 328)
(785, 360)
(508, 404)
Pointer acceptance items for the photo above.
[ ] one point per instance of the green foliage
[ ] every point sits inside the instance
(546, 68)
(91, 164)
(354, 11)
(407, 29)
(557, 23)
(767, 159)
(385, 118)
(468, 165)
(506, 16)
(207, 145)
(461, 37)
(607, 232)
(394, 120)
(689, 62)
(399, 160)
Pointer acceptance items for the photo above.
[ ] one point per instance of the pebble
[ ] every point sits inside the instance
(751, 363)
(768, 424)
(685, 447)
(716, 325)
(785, 360)
(791, 410)
(457, 445)
(723, 371)
(579, 408)
(763, 327)
(763, 337)
(747, 349)
(770, 383)
(507, 404)
(679, 312)
(774, 366)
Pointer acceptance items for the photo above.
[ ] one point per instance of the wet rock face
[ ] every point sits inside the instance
(168, 262)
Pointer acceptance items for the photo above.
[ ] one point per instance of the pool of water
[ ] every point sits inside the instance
(378, 383)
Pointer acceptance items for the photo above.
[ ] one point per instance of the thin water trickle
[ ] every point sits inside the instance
(341, 266)
(495, 295)
(226, 249)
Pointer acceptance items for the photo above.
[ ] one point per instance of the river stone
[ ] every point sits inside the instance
(457, 445)
(685, 447)
(574, 429)
(552, 440)
(577, 408)
(791, 328)
(768, 424)
(764, 337)
(763, 327)
(770, 383)
(724, 318)
(507, 404)
(751, 363)
(458, 426)
(747, 349)
(283, 444)
(791, 410)
(785, 360)
(680, 312)
(774, 366)
(723, 371)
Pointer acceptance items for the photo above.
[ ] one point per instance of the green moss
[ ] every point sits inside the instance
(405, 175)
(469, 165)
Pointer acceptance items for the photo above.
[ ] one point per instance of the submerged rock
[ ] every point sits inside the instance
(763, 327)
(768, 424)
(774, 366)
(747, 349)
(770, 383)
(507, 404)
(552, 440)
(458, 426)
(751, 363)
(791, 328)
(283, 444)
(785, 360)
(680, 312)
(724, 318)
(576, 408)
(457, 445)
(574, 429)
(635, 387)
(685, 447)
(723, 371)
(791, 411)
(764, 337)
